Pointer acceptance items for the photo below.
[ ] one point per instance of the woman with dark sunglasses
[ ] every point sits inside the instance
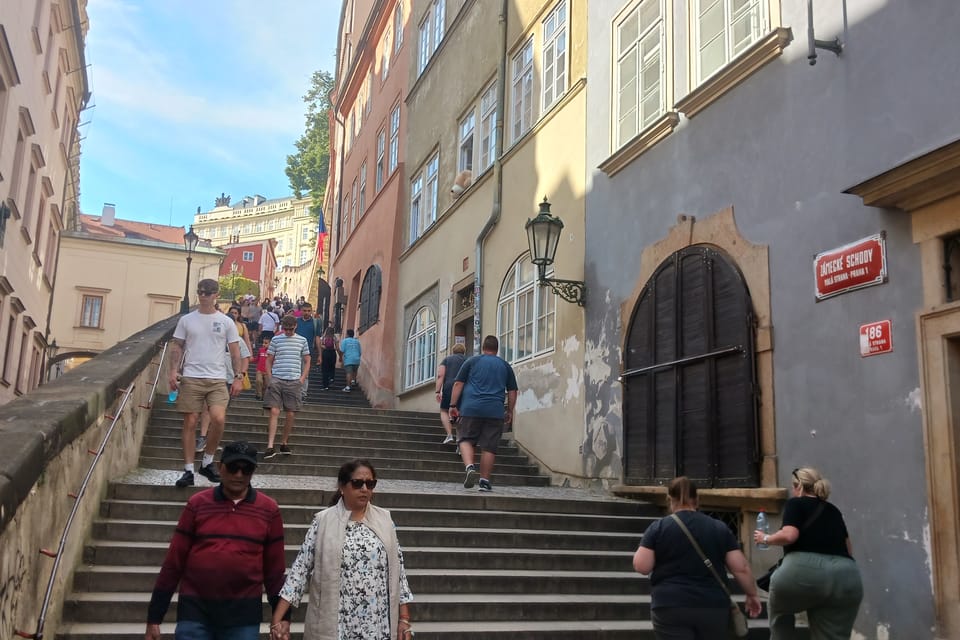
(818, 574)
(354, 565)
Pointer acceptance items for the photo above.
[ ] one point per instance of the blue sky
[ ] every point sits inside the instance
(196, 97)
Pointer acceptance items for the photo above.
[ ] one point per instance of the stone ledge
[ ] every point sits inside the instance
(35, 428)
(770, 499)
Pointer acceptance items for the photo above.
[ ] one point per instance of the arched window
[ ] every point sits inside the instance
(421, 348)
(370, 299)
(689, 376)
(526, 313)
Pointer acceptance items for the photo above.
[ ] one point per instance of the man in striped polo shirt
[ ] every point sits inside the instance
(288, 361)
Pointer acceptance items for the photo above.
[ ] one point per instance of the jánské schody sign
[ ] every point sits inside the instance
(854, 266)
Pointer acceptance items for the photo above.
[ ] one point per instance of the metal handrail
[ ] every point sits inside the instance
(58, 555)
(156, 378)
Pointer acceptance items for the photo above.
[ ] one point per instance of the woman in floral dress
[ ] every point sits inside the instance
(354, 566)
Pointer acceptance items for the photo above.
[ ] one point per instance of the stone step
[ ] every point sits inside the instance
(433, 607)
(138, 510)
(257, 416)
(141, 579)
(142, 553)
(459, 630)
(428, 496)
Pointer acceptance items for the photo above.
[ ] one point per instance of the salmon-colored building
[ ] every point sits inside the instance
(255, 260)
(366, 188)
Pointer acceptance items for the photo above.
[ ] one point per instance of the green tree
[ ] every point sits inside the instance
(307, 169)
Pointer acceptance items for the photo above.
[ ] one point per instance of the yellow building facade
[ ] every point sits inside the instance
(496, 123)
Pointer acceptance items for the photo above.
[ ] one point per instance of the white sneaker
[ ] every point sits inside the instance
(448, 440)
(346, 388)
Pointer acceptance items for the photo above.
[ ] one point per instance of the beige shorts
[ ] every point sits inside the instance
(283, 394)
(195, 392)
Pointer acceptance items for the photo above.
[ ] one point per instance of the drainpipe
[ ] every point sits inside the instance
(339, 216)
(497, 180)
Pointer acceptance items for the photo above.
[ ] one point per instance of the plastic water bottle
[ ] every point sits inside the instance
(173, 396)
(764, 526)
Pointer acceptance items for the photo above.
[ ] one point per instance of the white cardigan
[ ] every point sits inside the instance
(323, 612)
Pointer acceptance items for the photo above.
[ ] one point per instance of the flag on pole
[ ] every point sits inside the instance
(321, 238)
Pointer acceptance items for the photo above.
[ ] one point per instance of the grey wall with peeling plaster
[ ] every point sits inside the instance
(781, 148)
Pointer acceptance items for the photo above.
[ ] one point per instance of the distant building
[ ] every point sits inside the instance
(255, 261)
(116, 277)
(43, 89)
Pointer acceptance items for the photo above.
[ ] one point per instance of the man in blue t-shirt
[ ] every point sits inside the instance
(350, 354)
(477, 400)
(309, 327)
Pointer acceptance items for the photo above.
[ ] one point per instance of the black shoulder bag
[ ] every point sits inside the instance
(763, 581)
(738, 621)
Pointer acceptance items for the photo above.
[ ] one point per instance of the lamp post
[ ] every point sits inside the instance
(234, 267)
(543, 235)
(190, 240)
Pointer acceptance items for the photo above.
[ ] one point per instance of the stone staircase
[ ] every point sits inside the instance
(528, 561)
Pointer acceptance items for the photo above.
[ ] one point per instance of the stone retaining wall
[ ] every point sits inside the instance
(45, 441)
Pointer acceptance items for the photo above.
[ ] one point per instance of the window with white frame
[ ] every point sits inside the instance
(247, 256)
(526, 313)
(640, 70)
(379, 172)
(304, 254)
(91, 311)
(385, 52)
(465, 153)
(488, 128)
(305, 233)
(416, 202)
(398, 26)
(345, 219)
(363, 188)
(554, 64)
(431, 190)
(394, 138)
(522, 90)
(421, 348)
(353, 210)
(723, 29)
(368, 94)
(431, 32)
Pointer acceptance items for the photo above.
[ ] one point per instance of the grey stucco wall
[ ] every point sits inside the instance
(781, 148)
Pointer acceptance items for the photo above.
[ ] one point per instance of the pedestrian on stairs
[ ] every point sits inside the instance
(350, 355)
(198, 343)
(288, 359)
(328, 357)
(226, 550)
(477, 400)
(353, 563)
(308, 326)
(446, 376)
(686, 599)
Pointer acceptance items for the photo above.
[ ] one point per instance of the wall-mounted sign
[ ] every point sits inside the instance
(859, 264)
(876, 338)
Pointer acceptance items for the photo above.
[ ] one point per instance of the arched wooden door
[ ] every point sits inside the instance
(690, 393)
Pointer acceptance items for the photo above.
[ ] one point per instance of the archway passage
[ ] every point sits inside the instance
(690, 392)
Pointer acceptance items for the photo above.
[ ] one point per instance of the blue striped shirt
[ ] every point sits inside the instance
(288, 352)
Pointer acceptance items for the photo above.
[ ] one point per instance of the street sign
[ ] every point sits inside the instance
(859, 264)
(876, 338)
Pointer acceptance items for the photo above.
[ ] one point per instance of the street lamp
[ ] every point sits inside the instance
(543, 235)
(190, 240)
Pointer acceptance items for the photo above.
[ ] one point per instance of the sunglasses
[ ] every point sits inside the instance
(244, 468)
(206, 293)
(358, 484)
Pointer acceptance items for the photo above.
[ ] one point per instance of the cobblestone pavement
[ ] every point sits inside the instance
(385, 485)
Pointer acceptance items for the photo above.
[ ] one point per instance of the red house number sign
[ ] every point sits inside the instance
(876, 338)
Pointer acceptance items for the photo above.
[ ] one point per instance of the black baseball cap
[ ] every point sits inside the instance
(239, 450)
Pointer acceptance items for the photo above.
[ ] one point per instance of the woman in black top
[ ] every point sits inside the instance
(685, 599)
(818, 574)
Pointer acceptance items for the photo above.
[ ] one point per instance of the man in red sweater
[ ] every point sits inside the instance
(227, 548)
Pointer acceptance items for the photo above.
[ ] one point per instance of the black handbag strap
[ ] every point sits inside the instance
(703, 556)
(813, 516)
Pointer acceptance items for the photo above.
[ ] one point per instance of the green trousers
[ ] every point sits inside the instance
(827, 587)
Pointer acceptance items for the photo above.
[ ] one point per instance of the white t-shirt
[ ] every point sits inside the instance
(205, 336)
(268, 321)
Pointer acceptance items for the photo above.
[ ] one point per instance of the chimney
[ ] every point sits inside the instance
(109, 214)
